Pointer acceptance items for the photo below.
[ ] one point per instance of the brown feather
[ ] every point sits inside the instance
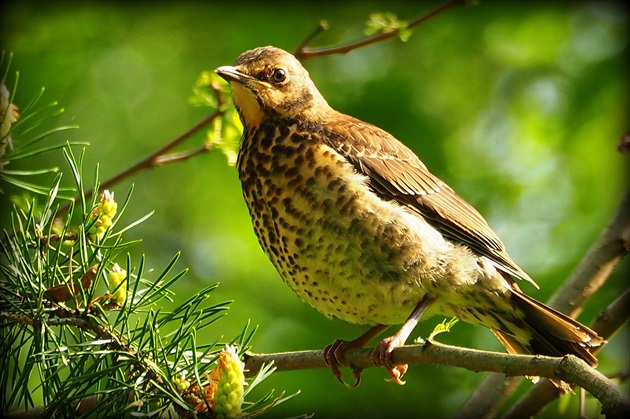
(556, 330)
(396, 173)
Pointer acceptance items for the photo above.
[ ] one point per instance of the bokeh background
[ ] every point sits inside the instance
(517, 105)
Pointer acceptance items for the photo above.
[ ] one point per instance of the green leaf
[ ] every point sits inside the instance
(385, 23)
(443, 327)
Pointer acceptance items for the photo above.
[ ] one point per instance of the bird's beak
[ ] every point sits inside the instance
(230, 73)
(245, 92)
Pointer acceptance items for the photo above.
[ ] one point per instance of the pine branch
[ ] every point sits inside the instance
(62, 316)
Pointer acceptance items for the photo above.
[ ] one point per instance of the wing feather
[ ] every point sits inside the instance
(396, 173)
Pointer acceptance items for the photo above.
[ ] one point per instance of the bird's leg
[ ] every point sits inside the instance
(333, 353)
(382, 354)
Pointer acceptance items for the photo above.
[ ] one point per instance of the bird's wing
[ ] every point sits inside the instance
(396, 173)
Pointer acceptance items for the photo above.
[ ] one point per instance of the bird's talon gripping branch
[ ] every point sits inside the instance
(382, 356)
(333, 354)
(356, 374)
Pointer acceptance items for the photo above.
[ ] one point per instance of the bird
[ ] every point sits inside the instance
(359, 228)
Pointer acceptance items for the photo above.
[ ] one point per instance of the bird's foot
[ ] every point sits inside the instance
(397, 372)
(382, 356)
(333, 354)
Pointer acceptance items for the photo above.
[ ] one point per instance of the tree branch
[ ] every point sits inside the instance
(485, 402)
(495, 389)
(157, 158)
(568, 368)
(598, 263)
(303, 52)
(179, 157)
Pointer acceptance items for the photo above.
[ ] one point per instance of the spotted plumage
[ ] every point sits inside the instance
(359, 228)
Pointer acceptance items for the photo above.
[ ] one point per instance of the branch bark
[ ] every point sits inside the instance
(568, 368)
(303, 52)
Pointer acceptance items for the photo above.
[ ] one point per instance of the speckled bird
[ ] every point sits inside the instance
(361, 230)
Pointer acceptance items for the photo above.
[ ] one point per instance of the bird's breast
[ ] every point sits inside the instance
(336, 244)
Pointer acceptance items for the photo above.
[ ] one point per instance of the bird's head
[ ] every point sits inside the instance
(268, 83)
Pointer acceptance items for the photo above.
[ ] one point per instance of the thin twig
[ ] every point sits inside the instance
(303, 51)
(154, 159)
(179, 157)
(321, 27)
(159, 157)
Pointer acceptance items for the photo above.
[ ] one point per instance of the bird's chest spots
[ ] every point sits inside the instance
(296, 189)
(330, 238)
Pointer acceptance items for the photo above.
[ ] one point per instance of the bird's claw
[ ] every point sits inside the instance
(382, 356)
(332, 355)
(397, 372)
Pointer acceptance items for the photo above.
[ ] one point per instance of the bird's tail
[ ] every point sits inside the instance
(553, 334)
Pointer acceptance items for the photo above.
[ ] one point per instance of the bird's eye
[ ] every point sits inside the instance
(279, 75)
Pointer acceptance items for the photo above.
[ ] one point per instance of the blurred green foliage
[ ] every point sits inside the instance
(517, 105)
